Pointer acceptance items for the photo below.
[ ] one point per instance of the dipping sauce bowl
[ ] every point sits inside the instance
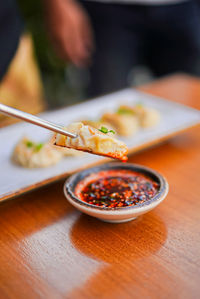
(127, 210)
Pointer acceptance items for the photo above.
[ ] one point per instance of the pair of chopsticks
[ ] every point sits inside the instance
(7, 110)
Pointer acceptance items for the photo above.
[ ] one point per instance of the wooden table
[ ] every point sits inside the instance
(49, 250)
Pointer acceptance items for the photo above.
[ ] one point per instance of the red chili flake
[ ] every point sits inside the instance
(116, 188)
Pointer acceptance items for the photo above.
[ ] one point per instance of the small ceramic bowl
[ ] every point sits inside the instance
(120, 214)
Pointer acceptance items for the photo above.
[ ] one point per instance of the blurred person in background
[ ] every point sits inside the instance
(11, 27)
(110, 37)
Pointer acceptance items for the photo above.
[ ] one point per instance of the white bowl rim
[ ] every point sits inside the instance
(160, 195)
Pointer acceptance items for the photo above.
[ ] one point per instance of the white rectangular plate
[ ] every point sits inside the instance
(15, 180)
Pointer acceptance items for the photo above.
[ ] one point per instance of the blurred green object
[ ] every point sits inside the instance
(57, 87)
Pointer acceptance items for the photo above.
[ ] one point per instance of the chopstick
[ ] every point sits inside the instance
(34, 120)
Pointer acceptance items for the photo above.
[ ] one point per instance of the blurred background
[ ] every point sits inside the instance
(37, 79)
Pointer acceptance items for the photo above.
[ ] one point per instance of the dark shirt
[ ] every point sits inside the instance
(11, 27)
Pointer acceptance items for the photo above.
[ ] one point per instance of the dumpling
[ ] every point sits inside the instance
(98, 124)
(66, 152)
(92, 123)
(32, 155)
(89, 139)
(147, 117)
(70, 152)
(125, 124)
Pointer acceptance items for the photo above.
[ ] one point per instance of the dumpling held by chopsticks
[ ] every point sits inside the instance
(97, 141)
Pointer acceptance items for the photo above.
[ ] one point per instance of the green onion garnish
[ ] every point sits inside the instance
(38, 147)
(105, 130)
(29, 143)
(124, 111)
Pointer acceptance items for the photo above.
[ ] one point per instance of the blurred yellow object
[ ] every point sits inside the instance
(21, 87)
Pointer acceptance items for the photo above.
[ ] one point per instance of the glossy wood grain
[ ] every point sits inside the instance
(49, 250)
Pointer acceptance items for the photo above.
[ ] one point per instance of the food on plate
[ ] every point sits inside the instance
(92, 123)
(147, 117)
(69, 152)
(116, 188)
(95, 137)
(98, 124)
(66, 152)
(96, 141)
(127, 120)
(32, 155)
(125, 124)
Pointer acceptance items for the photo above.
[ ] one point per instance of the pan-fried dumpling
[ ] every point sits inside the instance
(89, 139)
(98, 124)
(32, 155)
(124, 124)
(66, 152)
(148, 117)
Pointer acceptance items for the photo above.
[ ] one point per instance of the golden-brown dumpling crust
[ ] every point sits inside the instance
(92, 140)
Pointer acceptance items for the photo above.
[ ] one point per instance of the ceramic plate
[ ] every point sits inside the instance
(15, 180)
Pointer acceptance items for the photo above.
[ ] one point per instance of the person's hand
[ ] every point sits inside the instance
(70, 30)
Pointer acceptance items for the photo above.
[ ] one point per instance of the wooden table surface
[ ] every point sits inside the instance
(50, 250)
